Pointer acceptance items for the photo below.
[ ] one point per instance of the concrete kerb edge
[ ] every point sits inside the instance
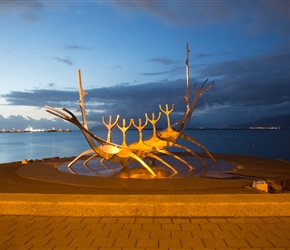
(218, 205)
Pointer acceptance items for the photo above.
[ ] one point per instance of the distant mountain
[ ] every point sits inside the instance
(278, 121)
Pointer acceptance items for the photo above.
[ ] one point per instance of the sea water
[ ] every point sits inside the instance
(264, 143)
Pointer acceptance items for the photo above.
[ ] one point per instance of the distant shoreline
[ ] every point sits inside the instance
(40, 131)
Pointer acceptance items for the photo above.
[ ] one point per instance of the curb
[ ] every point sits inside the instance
(216, 205)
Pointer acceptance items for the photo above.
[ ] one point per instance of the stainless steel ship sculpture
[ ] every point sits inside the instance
(144, 151)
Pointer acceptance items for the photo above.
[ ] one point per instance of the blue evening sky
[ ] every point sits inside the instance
(131, 55)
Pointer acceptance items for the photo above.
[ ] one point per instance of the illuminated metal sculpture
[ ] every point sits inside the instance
(154, 148)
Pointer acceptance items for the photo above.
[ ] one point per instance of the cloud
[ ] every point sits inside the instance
(41, 97)
(245, 90)
(28, 10)
(251, 17)
(252, 81)
(67, 60)
(75, 47)
(162, 60)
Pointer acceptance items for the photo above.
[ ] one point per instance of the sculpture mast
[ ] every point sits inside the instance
(187, 94)
(81, 102)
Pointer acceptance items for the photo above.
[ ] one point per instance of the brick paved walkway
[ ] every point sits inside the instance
(37, 232)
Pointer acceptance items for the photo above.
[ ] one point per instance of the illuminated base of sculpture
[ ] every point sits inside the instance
(220, 169)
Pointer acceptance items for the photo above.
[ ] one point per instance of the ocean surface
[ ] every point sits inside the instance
(265, 143)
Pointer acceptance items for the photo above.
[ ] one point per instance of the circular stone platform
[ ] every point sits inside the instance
(219, 169)
(246, 169)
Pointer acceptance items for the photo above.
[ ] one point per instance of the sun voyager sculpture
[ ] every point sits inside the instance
(151, 154)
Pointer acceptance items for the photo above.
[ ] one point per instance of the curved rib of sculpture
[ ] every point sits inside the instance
(114, 152)
(157, 144)
(107, 150)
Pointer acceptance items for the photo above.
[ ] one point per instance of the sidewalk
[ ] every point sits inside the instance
(36, 232)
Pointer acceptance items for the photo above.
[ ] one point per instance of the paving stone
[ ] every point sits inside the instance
(214, 243)
(229, 248)
(244, 234)
(223, 234)
(134, 248)
(94, 226)
(91, 220)
(60, 241)
(99, 234)
(160, 234)
(190, 227)
(119, 234)
(17, 241)
(73, 219)
(229, 227)
(42, 248)
(181, 221)
(64, 248)
(199, 220)
(59, 232)
(282, 233)
(217, 220)
(125, 242)
(151, 227)
(40, 240)
(132, 227)
(284, 226)
(265, 234)
(40, 232)
(57, 225)
(103, 242)
(107, 248)
(254, 242)
(171, 227)
(276, 248)
(7, 217)
(144, 220)
(236, 220)
(271, 220)
(267, 226)
(170, 243)
(38, 225)
(56, 219)
(147, 243)
(108, 220)
(22, 225)
(210, 226)
(285, 219)
(138, 234)
(255, 220)
(40, 218)
(75, 225)
(23, 218)
(192, 243)
(112, 226)
(180, 234)
(82, 242)
(280, 242)
(5, 231)
(79, 233)
(162, 220)
(126, 220)
(204, 234)
(249, 226)
(238, 243)
(4, 238)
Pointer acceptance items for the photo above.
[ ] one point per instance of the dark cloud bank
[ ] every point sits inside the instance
(244, 90)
